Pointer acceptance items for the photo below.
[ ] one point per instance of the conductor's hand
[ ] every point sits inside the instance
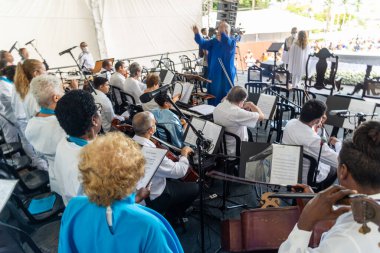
(321, 207)
(195, 29)
(186, 151)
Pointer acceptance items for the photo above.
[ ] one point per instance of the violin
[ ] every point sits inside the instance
(191, 175)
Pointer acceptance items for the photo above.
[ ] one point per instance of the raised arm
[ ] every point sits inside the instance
(204, 44)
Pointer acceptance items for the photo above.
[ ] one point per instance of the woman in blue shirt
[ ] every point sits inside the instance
(107, 219)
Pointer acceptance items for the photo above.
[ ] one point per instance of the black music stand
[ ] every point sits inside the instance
(274, 48)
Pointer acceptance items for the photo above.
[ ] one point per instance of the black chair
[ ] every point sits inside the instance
(255, 87)
(255, 74)
(321, 82)
(186, 64)
(30, 182)
(372, 86)
(119, 107)
(232, 163)
(312, 169)
(300, 96)
(23, 202)
(42, 240)
(282, 77)
(168, 64)
(279, 121)
(127, 97)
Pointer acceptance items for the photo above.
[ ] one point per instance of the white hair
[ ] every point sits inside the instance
(142, 122)
(44, 87)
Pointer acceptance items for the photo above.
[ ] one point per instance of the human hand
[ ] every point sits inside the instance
(176, 97)
(333, 140)
(143, 193)
(321, 207)
(186, 151)
(195, 29)
(304, 187)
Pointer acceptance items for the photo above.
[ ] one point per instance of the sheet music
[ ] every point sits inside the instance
(185, 89)
(6, 189)
(357, 106)
(168, 77)
(153, 159)
(266, 103)
(211, 132)
(203, 109)
(191, 138)
(285, 164)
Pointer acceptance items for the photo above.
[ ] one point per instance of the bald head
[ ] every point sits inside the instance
(142, 122)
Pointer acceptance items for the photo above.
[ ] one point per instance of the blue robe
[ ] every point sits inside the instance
(224, 49)
(136, 228)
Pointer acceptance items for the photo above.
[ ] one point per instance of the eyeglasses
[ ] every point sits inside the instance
(99, 108)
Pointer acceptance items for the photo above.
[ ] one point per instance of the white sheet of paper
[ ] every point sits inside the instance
(203, 109)
(285, 164)
(6, 189)
(191, 138)
(168, 78)
(357, 106)
(266, 104)
(186, 92)
(211, 132)
(153, 159)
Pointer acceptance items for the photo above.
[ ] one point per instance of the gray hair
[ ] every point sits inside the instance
(228, 29)
(237, 94)
(142, 122)
(134, 68)
(44, 87)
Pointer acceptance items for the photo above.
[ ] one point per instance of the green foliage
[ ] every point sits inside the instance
(261, 4)
(245, 4)
(302, 10)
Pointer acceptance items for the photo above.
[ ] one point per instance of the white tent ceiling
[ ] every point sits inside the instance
(112, 28)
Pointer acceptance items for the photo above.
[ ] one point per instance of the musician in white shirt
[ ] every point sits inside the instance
(106, 70)
(358, 172)
(118, 78)
(235, 114)
(85, 60)
(302, 131)
(132, 85)
(102, 88)
(79, 116)
(172, 197)
(43, 130)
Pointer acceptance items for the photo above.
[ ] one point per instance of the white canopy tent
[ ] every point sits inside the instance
(112, 28)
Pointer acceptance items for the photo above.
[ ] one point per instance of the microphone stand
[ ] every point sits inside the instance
(43, 60)
(202, 144)
(84, 76)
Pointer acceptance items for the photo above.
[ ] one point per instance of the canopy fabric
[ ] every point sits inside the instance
(112, 28)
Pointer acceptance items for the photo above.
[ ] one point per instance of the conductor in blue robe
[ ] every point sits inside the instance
(108, 219)
(222, 46)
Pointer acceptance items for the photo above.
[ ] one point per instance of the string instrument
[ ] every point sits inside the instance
(365, 210)
(191, 175)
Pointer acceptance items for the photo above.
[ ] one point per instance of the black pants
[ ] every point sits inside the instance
(175, 199)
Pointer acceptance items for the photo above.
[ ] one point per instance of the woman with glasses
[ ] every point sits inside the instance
(79, 116)
(43, 130)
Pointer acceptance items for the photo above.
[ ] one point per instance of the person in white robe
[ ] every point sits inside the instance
(43, 130)
(298, 55)
(287, 45)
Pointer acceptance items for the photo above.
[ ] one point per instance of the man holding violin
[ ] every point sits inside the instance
(168, 195)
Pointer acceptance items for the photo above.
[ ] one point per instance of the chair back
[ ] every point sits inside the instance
(186, 63)
(163, 133)
(168, 64)
(280, 121)
(321, 67)
(282, 77)
(300, 96)
(312, 169)
(126, 97)
(255, 87)
(255, 74)
(237, 143)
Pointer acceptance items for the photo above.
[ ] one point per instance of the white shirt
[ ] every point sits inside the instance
(298, 133)
(134, 88)
(10, 132)
(343, 237)
(66, 169)
(167, 169)
(107, 110)
(117, 80)
(235, 120)
(85, 61)
(44, 133)
(17, 105)
(30, 104)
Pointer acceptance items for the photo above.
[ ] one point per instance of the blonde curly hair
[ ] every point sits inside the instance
(110, 167)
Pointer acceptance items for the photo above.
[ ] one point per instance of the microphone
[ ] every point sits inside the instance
(146, 97)
(67, 50)
(30, 42)
(13, 47)
(338, 112)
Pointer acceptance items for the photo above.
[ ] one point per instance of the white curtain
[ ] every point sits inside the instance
(130, 28)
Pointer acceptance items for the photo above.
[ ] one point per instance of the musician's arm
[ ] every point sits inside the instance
(171, 169)
(204, 44)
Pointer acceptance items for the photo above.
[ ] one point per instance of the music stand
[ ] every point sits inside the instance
(274, 48)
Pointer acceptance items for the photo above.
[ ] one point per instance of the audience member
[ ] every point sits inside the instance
(298, 54)
(43, 130)
(108, 219)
